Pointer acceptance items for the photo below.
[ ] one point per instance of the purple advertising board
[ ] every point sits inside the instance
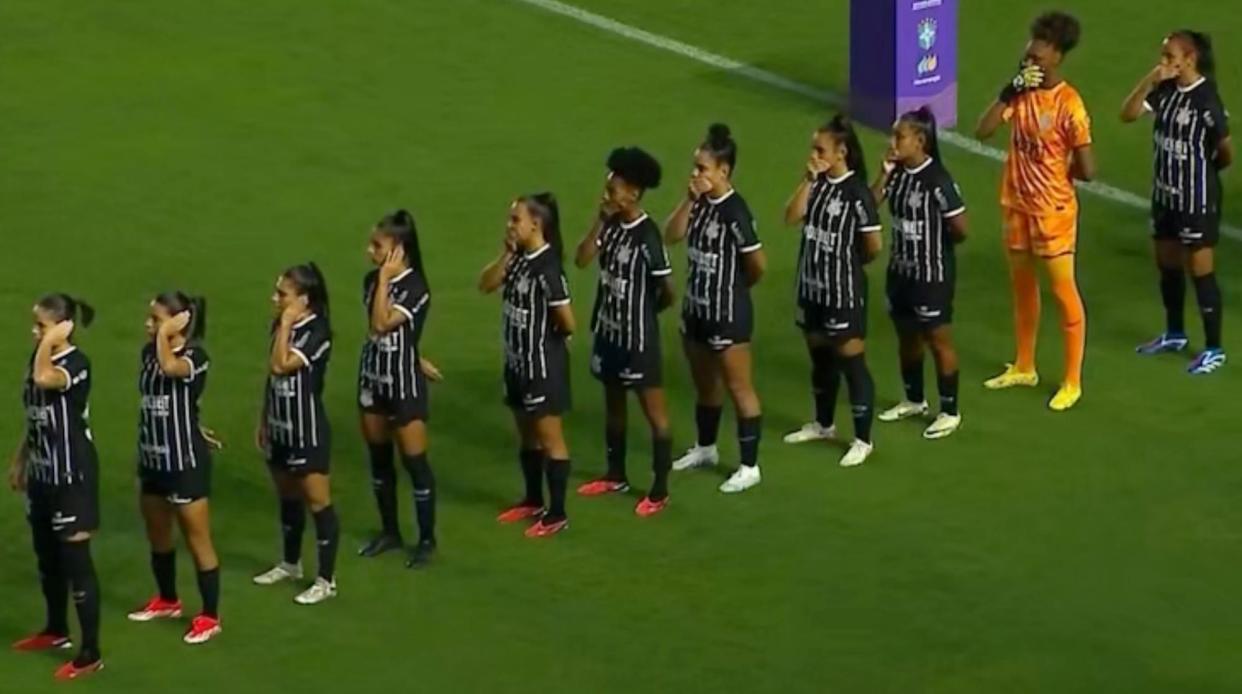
(903, 55)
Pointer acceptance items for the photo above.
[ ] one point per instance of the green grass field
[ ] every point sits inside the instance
(206, 146)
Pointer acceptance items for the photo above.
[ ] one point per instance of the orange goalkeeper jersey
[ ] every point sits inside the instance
(1047, 126)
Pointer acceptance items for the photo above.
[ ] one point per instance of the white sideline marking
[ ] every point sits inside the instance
(950, 137)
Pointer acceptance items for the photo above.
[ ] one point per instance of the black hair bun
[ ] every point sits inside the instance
(635, 166)
(718, 135)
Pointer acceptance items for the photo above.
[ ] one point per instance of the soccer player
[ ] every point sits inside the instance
(56, 465)
(717, 316)
(174, 459)
(634, 286)
(929, 219)
(1050, 147)
(294, 432)
(840, 234)
(537, 321)
(392, 383)
(1191, 147)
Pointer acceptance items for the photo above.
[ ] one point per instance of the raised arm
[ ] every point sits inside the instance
(384, 317)
(493, 275)
(678, 223)
(588, 247)
(171, 364)
(1136, 103)
(46, 374)
(284, 360)
(991, 121)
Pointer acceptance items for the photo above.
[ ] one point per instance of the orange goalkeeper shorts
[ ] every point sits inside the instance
(1046, 235)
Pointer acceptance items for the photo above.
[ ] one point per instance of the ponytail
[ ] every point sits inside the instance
(842, 131)
(720, 144)
(924, 122)
(310, 282)
(543, 206)
(178, 302)
(400, 227)
(62, 307)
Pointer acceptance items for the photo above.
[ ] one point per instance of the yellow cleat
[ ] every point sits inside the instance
(1012, 377)
(1067, 396)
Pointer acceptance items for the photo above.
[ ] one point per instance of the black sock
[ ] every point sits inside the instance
(661, 463)
(1173, 293)
(912, 379)
(209, 589)
(1210, 308)
(328, 536)
(292, 525)
(947, 385)
(424, 495)
(532, 473)
(164, 566)
(615, 442)
(862, 394)
(825, 383)
(53, 581)
(748, 429)
(384, 481)
(80, 569)
(558, 480)
(707, 420)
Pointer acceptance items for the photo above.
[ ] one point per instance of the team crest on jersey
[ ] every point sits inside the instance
(1184, 116)
(1045, 122)
(712, 232)
(915, 200)
(835, 208)
(624, 254)
(523, 285)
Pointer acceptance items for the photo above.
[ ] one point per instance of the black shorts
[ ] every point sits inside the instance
(833, 323)
(539, 397)
(299, 461)
(718, 335)
(179, 488)
(65, 510)
(399, 411)
(614, 365)
(919, 306)
(1193, 231)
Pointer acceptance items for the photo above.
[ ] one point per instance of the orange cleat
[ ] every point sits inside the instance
(43, 641)
(647, 507)
(603, 486)
(69, 671)
(520, 512)
(546, 528)
(156, 608)
(202, 629)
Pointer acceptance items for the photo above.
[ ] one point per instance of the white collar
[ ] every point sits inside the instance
(835, 181)
(1192, 87)
(722, 198)
(920, 167)
(630, 225)
(400, 277)
(64, 353)
(305, 320)
(537, 252)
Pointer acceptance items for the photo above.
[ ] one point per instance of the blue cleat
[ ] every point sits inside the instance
(1208, 361)
(1166, 342)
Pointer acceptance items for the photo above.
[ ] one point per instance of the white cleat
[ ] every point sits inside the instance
(942, 426)
(746, 477)
(811, 431)
(696, 457)
(903, 410)
(319, 591)
(278, 573)
(857, 454)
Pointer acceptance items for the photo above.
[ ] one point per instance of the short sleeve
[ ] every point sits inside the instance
(555, 283)
(312, 344)
(1217, 119)
(657, 255)
(948, 196)
(742, 225)
(411, 297)
(77, 371)
(865, 211)
(1077, 124)
(198, 360)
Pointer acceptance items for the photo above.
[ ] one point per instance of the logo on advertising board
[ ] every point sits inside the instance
(927, 33)
(928, 65)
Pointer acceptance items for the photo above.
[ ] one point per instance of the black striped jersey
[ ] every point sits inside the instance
(1190, 123)
(389, 367)
(169, 438)
(59, 446)
(632, 261)
(533, 286)
(294, 412)
(922, 200)
(830, 262)
(721, 230)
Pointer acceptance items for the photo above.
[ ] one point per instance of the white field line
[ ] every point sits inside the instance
(950, 137)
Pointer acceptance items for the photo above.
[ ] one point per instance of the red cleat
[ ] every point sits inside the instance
(603, 486)
(202, 629)
(546, 528)
(156, 608)
(647, 507)
(520, 512)
(43, 642)
(69, 671)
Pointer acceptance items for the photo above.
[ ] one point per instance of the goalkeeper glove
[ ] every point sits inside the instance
(1030, 76)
